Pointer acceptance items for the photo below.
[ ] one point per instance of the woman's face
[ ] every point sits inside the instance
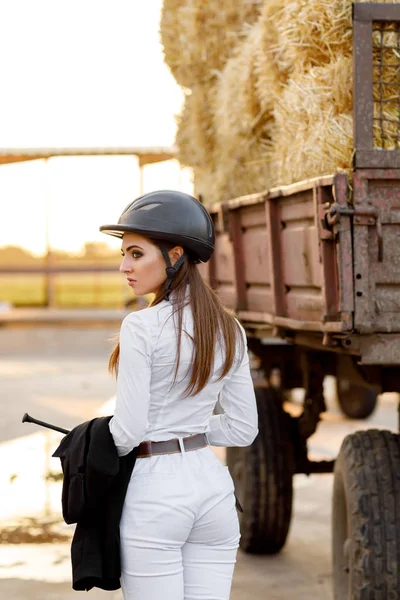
(143, 263)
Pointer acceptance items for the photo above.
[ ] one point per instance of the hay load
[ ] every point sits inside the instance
(281, 104)
(241, 122)
(195, 136)
(199, 36)
(313, 126)
(241, 173)
(312, 133)
(268, 71)
(238, 109)
(310, 32)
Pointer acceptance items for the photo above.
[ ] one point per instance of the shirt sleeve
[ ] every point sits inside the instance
(130, 421)
(238, 426)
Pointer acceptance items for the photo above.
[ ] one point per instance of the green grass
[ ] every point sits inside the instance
(105, 290)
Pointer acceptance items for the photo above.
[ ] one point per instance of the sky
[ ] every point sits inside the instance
(81, 73)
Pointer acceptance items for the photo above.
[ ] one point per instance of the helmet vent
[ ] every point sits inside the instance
(149, 206)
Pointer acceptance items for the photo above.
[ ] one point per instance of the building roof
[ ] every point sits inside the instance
(146, 155)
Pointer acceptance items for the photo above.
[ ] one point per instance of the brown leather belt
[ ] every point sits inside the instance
(194, 442)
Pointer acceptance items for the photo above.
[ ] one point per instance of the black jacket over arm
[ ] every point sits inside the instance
(94, 489)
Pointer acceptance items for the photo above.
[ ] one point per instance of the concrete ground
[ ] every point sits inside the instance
(59, 374)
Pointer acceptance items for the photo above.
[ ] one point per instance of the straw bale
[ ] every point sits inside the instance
(311, 32)
(312, 133)
(199, 36)
(246, 172)
(280, 108)
(266, 67)
(195, 136)
(237, 107)
(204, 183)
(233, 176)
(313, 128)
(241, 122)
(327, 149)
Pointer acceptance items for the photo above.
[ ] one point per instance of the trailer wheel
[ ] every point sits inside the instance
(356, 401)
(366, 517)
(263, 475)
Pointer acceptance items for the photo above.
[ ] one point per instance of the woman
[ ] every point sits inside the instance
(175, 359)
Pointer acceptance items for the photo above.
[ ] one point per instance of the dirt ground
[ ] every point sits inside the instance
(60, 375)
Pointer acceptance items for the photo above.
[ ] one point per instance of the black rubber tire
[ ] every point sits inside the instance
(263, 476)
(356, 401)
(366, 517)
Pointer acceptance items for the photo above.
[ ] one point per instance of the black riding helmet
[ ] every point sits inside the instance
(169, 216)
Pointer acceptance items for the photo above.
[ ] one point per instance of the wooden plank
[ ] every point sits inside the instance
(275, 257)
(282, 191)
(293, 324)
(301, 186)
(239, 259)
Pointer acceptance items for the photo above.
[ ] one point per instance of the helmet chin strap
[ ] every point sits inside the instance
(171, 270)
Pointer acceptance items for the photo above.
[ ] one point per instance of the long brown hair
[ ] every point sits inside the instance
(212, 322)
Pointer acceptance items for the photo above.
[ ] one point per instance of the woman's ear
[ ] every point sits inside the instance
(175, 254)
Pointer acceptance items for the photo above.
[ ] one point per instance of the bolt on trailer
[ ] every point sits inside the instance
(313, 272)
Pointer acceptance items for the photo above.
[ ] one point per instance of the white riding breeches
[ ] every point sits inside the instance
(179, 528)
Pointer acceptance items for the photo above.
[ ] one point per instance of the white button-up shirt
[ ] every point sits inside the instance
(150, 407)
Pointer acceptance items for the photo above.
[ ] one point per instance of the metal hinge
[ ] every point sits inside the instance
(362, 215)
